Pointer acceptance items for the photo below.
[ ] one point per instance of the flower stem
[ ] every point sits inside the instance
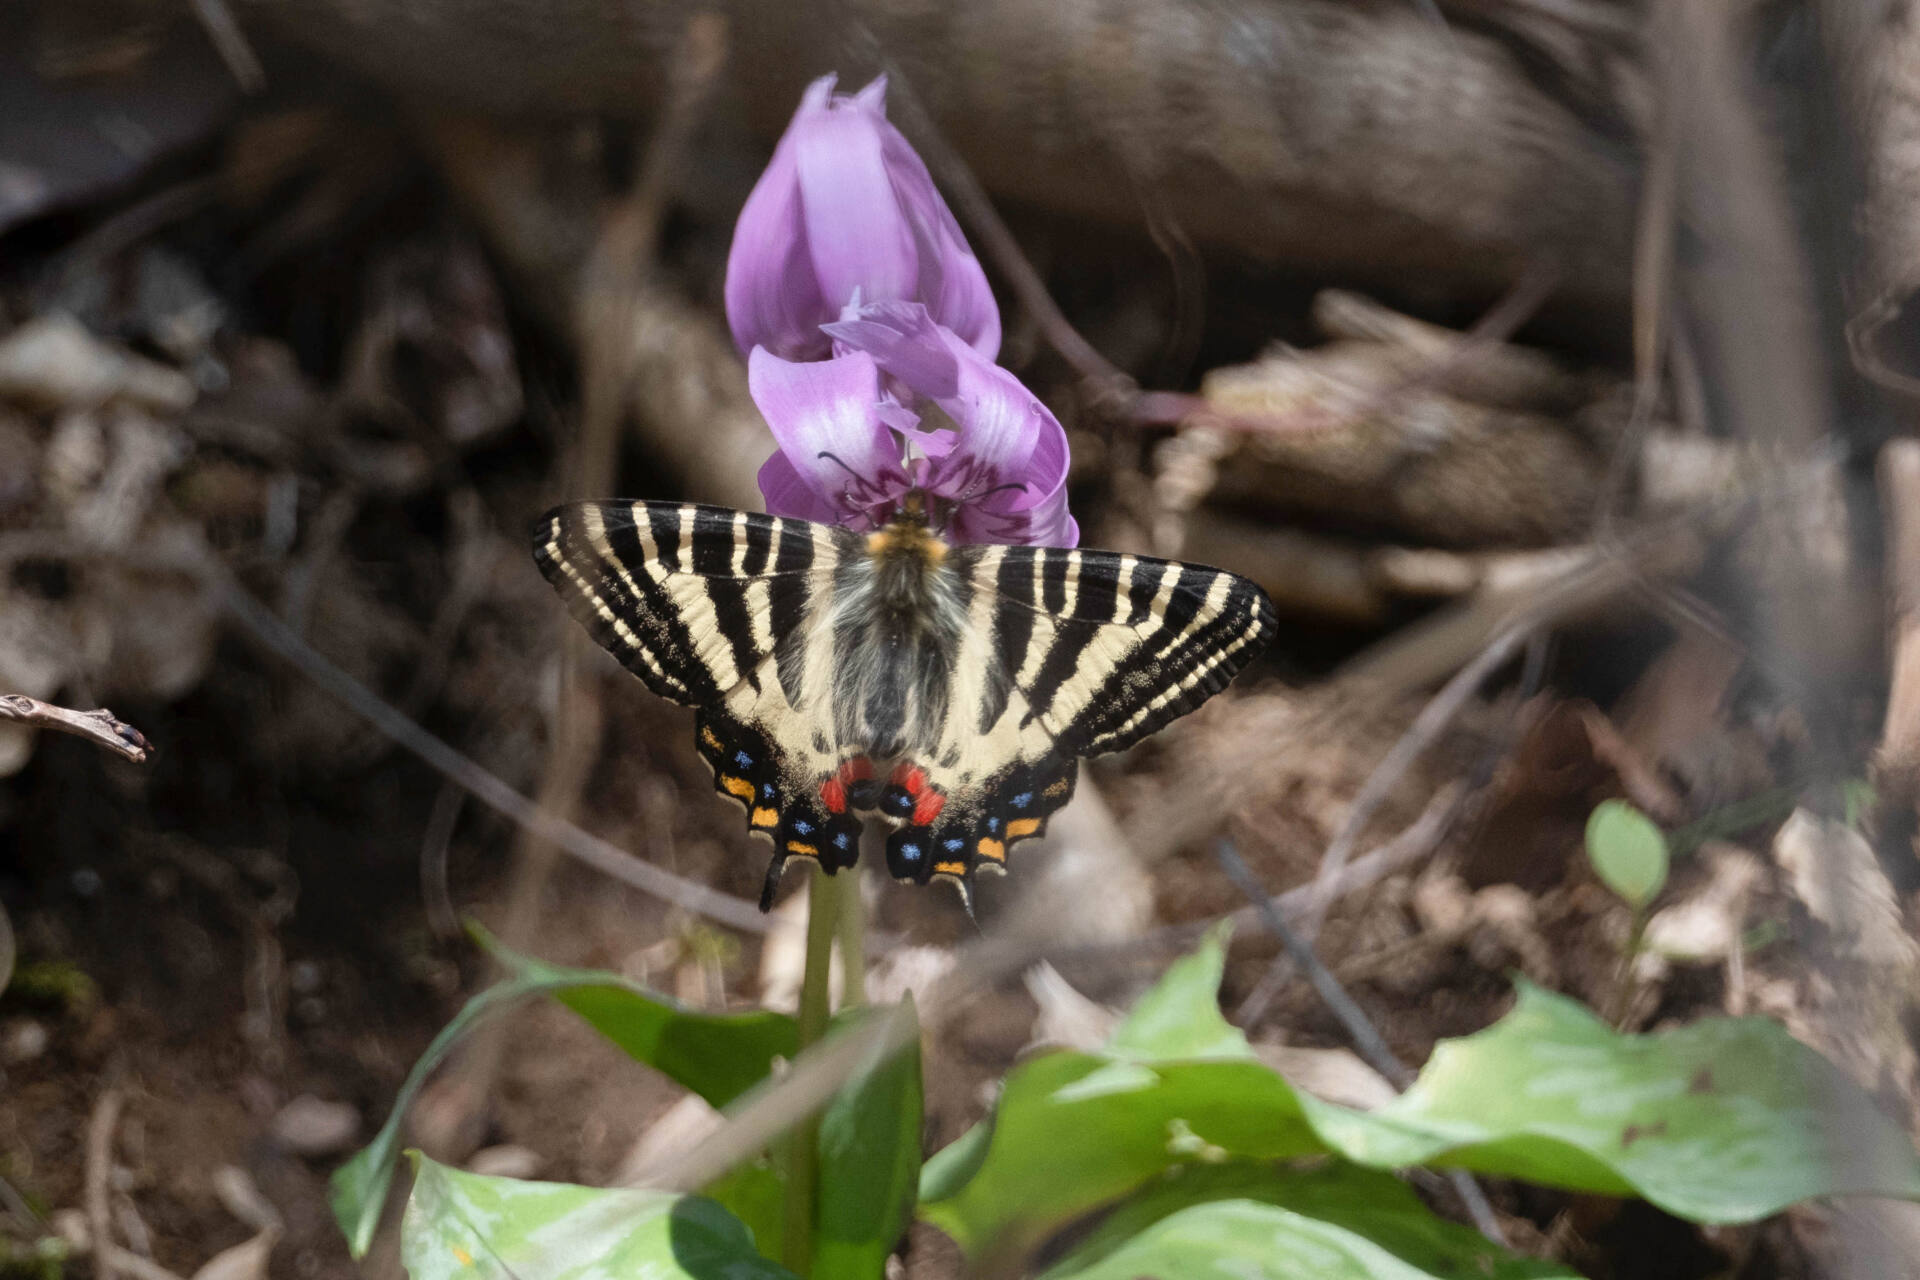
(824, 911)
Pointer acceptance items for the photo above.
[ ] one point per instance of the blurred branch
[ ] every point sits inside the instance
(1366, 1037)
(100, 726)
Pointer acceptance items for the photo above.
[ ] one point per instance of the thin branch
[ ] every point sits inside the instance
(1420, 735)
(1366, 1037)
(98, 1178)
(484, 786)
(230, 42)
(99, 726)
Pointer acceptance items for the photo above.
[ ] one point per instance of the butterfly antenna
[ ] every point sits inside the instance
(835, 459)
(774, 871)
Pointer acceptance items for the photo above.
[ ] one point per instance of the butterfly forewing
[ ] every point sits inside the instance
(952, 692)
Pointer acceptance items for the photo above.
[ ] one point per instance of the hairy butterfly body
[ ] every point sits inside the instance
(949, 689)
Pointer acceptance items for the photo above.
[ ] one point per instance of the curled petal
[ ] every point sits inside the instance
(1047, 523)
(1009, 456)
(826, 420)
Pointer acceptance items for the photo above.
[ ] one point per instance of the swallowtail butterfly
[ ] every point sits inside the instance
(949, 689)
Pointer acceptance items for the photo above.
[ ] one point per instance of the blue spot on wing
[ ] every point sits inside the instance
(911, 852)
(840, 841)
(766, 790)
(802, 826)
(954, 846)
(1022, 800)
(742, 759)
(993, 825)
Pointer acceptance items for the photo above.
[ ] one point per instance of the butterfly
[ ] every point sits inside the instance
(950, 689)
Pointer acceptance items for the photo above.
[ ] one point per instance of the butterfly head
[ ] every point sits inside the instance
(908, 539)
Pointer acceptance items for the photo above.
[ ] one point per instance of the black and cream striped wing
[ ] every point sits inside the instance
(715, 609)
(1067, 654)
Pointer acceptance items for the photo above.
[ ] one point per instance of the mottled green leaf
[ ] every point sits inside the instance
(869, 1164)
(1255, 1222)
(1627, 851)
(463, 1226)
(1727, 1120)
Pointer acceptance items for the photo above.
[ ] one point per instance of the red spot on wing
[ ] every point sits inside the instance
(928, 806)
(910, 776)
(833, 794)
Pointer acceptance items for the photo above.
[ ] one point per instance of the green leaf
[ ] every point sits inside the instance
(718, 1056)
(461, 1226)
(1180, 1016)
(1727, 1120)
(756, 1193)
(1628, 851)
(1075, 1131)
(869, 1163)
(1254, 1222)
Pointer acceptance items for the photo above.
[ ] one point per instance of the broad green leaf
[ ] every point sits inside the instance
(1628, 851)
(1180, 1016)
(463, 1226)
(1074, 1131)
(717, 1056)
(1727, 1120)
(869, 1165)
(1256, 1222)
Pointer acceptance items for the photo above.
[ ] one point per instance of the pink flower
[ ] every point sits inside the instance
(846, 213)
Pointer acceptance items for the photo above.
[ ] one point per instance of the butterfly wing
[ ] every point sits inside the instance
(713, 608)
(1067, 654)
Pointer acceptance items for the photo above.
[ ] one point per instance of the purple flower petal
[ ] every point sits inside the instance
(847, 212)
(773, 299)
(1005, 472)
(951, 282)
(857, 238)
(825, 418)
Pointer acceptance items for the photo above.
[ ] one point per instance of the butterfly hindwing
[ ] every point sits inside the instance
(1072, 653)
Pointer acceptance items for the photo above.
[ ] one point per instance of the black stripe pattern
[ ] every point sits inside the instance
(949, 690)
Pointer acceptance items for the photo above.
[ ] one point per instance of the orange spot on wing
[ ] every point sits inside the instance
(706, 736)
(737, 787)
(950, 868)
(765, 817)
(993, 850)
(1057, 789)
(1021, 827)
(804, 850)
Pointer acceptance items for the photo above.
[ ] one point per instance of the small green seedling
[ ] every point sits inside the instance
(1628, 852)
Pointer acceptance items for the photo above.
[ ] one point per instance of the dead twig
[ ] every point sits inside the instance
(230, 42)
(1420, 735)
(484, 786)
(99, 726)
(98, 1177)
(1366, 1037)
